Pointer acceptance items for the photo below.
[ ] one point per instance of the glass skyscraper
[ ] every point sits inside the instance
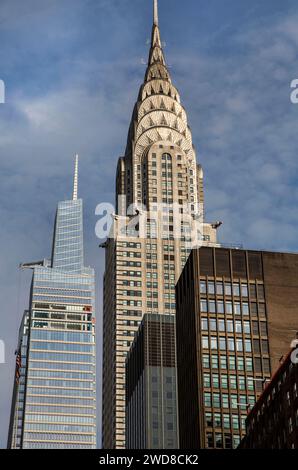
(54, 399)
(151, 392)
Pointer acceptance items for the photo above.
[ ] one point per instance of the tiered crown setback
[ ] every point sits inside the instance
(158, 115)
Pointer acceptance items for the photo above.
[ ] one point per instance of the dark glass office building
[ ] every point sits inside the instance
(151, 391)
(236, 316)
(54, 398)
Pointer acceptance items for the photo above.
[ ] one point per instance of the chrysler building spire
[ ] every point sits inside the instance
(156, 54)
(155, 13)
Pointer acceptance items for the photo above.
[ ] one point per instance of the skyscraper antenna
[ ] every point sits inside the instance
(155, 16)
(75, 179)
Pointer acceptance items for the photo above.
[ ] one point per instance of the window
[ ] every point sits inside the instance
(170, 426)
(206, 361)
(265, 346)
(244, 290)
(225, 400)
(239, 345)
(230, 326)
(242, 400)
(256, 344)
(226, 421)
(250, 384)
(254, 309)
(207, 399)
(236, 290)
(219, 288)
(207, 381)
(213, 342)
(220, 307)
(222, 344)
(241, 381)
(246, 327)
(249, 364)
(228, 289)
(258, 364)
(212, 308)
(235, 422)
(223, 362)
(214, 360)
(216, 400)
(233, 382)
(240, 363)
(263, 326)
(203, 287)
(245, 309)
(224, 381)
(234, 401)
(217, 420)
(255, 328)
(232, 363)
(231, 344)
(205, 342)
(218, 441)
(210, 440)
(221, 325)
(261, 293)
(208, 419)
(237, 308)
(204, 324)
(204, 306)
(229, 308)
(262, 310)
(236, 441)
(252, 291)
(212, 323)
(238, 326)
(211, 288)
(215, 380)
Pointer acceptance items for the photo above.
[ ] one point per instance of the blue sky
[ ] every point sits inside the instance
(72, 70)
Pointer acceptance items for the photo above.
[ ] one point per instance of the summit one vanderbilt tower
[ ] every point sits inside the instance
(54, 397)
(158, 175)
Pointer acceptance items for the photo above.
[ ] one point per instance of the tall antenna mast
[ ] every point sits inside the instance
(155, 14)
(75, 179)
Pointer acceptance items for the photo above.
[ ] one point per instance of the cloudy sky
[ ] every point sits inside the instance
(72, 70)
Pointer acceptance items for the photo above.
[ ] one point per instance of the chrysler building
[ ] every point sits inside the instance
(158, 175)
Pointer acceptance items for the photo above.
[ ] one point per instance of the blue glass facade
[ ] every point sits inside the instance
(68, 248)
(54, 403)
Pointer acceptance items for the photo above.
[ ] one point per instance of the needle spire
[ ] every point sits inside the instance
(155, 15)
(75, 179)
